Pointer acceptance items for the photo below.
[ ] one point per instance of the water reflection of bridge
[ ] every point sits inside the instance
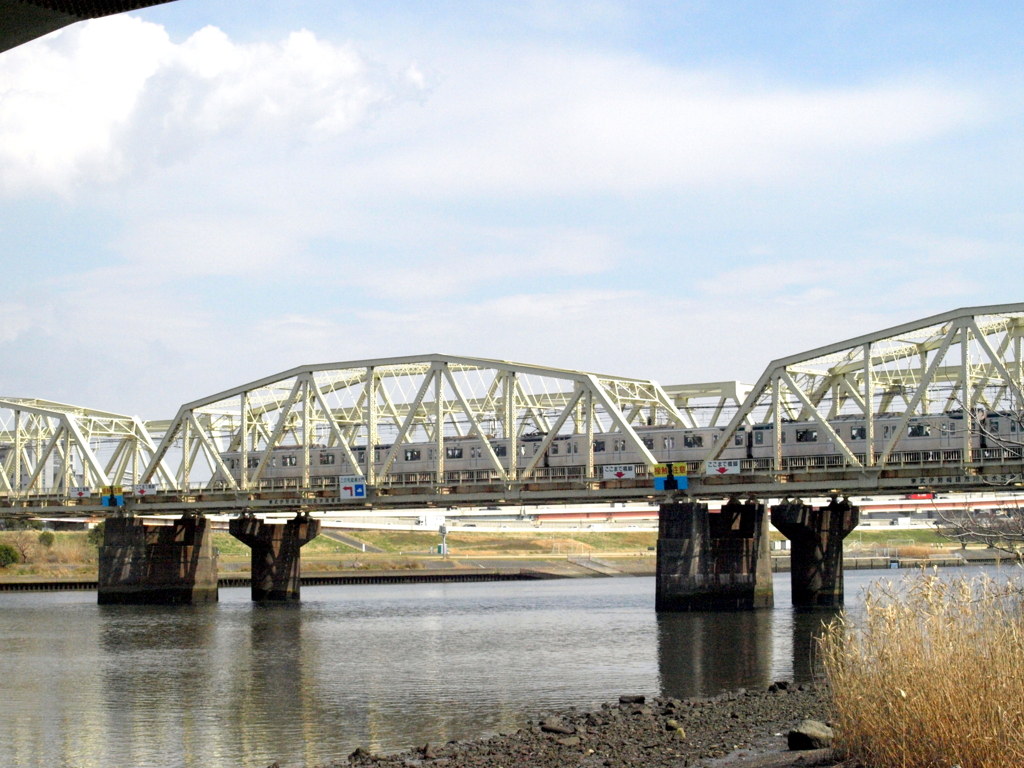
(703, 653)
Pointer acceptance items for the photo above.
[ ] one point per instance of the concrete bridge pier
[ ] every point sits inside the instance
(275, 553)
(817, 554)
(157, 564)
(713, 562)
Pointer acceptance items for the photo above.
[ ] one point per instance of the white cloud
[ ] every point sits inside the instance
(86, 103)
(562, 124)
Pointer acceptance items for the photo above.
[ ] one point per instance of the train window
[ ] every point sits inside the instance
(807, 435)
(738, 440)
(361, 457)
(412, 454)
(500, 450)
(522, 450)
(714, 438)
(649, 442)
(782, 435)
(232, 464)
(668, 443)
(554, 449)
(885, 432)
(289, 461)
(858, 433)
(475, 451)
(326, 458)
(1013, 426)
(453, 453)
(993, 425)
(431, 454)
(620, 445)
(575, 447)
(691, 440)
(919, 430)
(272, 463)
(252, 462)
(759, 438)
(599, 446)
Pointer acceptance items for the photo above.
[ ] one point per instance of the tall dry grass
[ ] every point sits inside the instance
(931, 676)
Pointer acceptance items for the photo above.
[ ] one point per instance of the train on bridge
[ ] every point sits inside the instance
(923, 440)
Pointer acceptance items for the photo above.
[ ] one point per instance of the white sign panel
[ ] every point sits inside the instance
(352, 487)
(146, 489)
(619, 471)
(729, 467)
(80, 492)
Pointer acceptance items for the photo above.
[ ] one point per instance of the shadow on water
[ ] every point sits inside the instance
(702, 654)
(807, 628)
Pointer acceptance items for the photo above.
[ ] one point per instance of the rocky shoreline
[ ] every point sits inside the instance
(739, 728)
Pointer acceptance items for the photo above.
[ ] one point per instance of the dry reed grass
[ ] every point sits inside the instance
(931, 676)
(919, 551)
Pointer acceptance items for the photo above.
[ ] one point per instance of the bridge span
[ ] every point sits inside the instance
(929, 405)
(934, 404)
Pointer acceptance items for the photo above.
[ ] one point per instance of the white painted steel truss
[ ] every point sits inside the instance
(708, 404)
(965, 362)
(391, 403)
(50, 448)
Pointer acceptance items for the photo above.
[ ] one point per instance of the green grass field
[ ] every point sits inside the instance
(231, 547)
(529, 542)
(879, 538)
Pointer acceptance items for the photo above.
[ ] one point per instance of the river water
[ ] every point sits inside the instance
(384, 667)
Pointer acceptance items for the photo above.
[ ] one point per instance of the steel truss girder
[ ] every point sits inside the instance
(33, 430)
(405, 400)
(973, 352)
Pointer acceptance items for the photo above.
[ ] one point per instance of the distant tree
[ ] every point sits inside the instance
(8, 555)
(46, 539)
(24, 543)
(95, 535)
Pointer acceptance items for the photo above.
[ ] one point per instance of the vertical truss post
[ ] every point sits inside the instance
(1018, 365)
(777, 422)
(307, 420)
(923, 354)
(17, 453)
(510, 426)
(186, 453)
(965, 389)
(68, 464)
(371, 425)
(243, 440)
(869, 407)
(135, 462)
(589, 408)
(439, 422)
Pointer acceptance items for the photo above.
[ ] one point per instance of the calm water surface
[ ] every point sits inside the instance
(237, 684)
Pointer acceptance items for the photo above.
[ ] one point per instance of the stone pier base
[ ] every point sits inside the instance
(817, 551)
(157, 564)
(713, 562)
(275, 553)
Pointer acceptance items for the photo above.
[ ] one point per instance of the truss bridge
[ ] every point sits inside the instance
(930, 405)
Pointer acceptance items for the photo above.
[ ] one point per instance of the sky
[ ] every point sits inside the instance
(207, 192)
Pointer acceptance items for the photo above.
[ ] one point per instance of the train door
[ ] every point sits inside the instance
(946, 433)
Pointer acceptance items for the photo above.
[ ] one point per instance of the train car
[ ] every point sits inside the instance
(807, 441)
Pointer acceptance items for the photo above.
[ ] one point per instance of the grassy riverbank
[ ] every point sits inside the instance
(932, 675)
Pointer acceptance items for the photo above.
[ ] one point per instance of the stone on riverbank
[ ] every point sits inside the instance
(745, 724)
(810, 734)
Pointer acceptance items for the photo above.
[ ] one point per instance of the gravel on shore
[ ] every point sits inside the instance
(739, 728)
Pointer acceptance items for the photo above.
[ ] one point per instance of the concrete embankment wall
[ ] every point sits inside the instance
(366, 577)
